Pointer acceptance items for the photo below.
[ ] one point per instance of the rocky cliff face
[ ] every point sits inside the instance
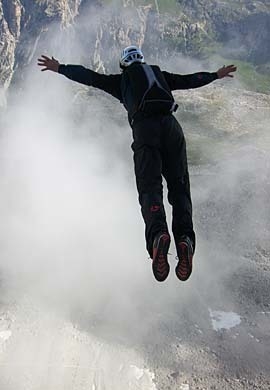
(22, 22)
(10, 20)
(196, 28)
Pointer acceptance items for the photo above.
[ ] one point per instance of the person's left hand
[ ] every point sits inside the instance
(48, 63)
(226, 70)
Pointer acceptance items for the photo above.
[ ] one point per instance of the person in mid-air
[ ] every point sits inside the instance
(159, 147)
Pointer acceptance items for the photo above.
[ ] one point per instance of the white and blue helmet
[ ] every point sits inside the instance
(130, 55)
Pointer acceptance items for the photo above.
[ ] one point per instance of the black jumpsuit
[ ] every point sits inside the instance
(159, 149)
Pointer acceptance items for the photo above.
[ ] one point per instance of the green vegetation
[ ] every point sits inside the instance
(163, 6)
(202, 43)
(253, 80)
(168, 6)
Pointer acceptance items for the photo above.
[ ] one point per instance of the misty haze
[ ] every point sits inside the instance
(75, 313)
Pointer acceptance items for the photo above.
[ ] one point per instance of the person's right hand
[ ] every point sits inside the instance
(225, 71)
(48, 63)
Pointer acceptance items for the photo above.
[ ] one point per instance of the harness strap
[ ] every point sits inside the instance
(152, 80)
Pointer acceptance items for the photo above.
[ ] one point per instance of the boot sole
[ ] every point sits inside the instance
(160, 265)
(183, 269)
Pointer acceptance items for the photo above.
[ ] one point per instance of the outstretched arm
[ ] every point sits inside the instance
(74, 72)
(196, 80)
(108, 83)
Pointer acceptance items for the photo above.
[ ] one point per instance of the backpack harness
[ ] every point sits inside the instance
(156, 98)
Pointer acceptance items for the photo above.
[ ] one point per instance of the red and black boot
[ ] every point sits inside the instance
(184, 248)
(160, 265)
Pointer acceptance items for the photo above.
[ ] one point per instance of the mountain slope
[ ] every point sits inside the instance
(193, 28)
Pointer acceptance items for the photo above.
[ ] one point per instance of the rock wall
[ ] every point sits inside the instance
(21, 24)
(196, 29)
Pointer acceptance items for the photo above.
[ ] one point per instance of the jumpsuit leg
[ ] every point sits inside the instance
(148, 169)
(175, 171)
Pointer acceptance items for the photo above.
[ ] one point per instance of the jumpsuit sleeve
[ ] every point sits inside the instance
(195, 80)
(108, 83)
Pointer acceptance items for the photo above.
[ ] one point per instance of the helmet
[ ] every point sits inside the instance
(129, 55)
